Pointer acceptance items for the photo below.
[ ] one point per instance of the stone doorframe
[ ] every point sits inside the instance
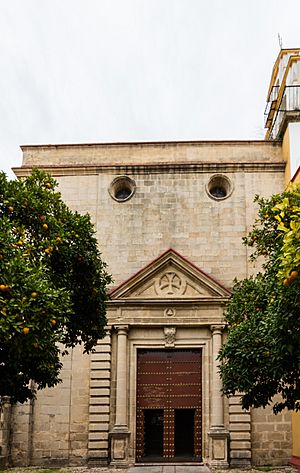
(136, 345)
(130, 340)
(169, 303)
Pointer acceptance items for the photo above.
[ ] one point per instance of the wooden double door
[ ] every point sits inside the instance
(169, 403)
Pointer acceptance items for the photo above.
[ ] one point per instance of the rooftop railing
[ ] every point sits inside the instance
(290, 102)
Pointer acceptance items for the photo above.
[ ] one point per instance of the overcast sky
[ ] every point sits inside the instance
(77, 71)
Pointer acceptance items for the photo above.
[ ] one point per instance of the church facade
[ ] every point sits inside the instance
(169, 219)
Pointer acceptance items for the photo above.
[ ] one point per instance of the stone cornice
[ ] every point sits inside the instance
(160, 322)
(166, 167)
(196, 302)
(171, 144)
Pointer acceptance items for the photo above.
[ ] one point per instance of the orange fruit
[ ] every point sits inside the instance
(53, 322)
(4, 288)
(294, 274)
(45, 226)
(34, 294)
(10, 208)
(25, 330)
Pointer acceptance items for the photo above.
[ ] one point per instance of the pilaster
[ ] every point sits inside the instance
(119, 435)
(5, 427)
(218, 435)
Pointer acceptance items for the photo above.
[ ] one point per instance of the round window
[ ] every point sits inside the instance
(219, 187)
(122, 188)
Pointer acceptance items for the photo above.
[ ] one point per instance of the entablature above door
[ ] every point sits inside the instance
(170, 290)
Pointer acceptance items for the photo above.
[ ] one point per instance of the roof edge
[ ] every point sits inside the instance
(149, 143)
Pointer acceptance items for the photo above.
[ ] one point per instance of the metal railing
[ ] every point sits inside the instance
(290, 102)
(272, 98)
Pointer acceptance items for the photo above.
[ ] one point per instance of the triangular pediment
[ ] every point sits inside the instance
(170, 276)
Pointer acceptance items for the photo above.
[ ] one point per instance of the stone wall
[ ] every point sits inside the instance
(5, 431)
(170, 209)
(53, 429)
(271, 437)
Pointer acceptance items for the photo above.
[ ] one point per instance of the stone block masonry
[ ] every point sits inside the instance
(91, 416)
(271, 437)
(99, 403)
(240, 434)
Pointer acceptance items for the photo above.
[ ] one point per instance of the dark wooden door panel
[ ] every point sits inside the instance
(169, 383)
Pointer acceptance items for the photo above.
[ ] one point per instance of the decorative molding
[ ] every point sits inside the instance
(208, 302)
(122, 329)
(170, 312)
(170, 283)
(217, 329)
(186, 167)
(172, 277)
(170, 335)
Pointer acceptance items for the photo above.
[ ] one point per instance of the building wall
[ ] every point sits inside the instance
(291, 153)
(296, 435)
(294, 131)
(271, 437)
(53, 429)
(170, 209)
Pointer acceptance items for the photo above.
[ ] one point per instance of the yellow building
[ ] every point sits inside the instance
(283, 123)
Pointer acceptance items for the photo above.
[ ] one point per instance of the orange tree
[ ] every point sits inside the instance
(52, 284)
(261, 357)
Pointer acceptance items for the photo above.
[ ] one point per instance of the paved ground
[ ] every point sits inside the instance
(168, 469)
(178, 468)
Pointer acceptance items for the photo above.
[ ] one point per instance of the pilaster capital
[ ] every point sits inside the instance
(122, 329)
(217, 329)
(5, 400)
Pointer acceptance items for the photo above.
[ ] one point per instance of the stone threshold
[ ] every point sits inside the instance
(169, 468)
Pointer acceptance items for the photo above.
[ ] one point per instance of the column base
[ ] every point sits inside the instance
(119, 438)
(219, 443)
